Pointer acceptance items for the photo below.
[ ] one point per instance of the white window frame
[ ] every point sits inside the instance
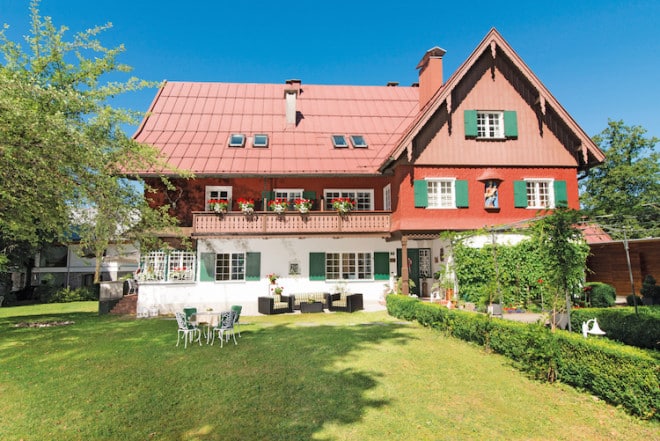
(181, 266)
(441, 193)
(217, 192)
(288, 194)
(387, 197)
(535, 195)
(168, 266)
(363, 196)
(353, 265)
(234, 271)
(490, 124)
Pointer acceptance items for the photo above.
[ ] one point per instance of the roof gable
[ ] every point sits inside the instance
(493, 57)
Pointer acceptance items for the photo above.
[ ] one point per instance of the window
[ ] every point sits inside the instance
(539, 194)
(348, 266)
(339, 141)
(217, 192)
(236, 140)
(358, 141)
(53, 256)
(441, 193)
(162, 266)
(229, 266)
(425, 262)
(387, 197)
(490, 124)
(289, 194)
(181, 266)
(364, 198)
(260, 141)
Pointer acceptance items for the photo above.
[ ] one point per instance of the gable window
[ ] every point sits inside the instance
(441, 193)
(387, 197)
(260, 141)
(236, 140)
(363, 198)
(348, 266)
(217, 193)
(358, 141)
(490, 124)
(339, 141)
(229, 266)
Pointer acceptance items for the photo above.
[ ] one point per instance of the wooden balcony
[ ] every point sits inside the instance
(315, 223)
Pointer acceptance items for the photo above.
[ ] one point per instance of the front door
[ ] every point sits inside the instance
(413, 268)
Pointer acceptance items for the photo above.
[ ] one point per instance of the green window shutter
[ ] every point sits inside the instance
(207, 267)
(311, 195)
(510, 124)
(381, 266)
(470, 122)
(520, 194)
(270, 195)
(316, 266)
(421, 193)
(561, 195)
(252, 266)
(461, 194)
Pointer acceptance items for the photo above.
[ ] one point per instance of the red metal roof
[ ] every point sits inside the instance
(191, 124)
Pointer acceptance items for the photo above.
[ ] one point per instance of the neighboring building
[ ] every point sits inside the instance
(490, 146)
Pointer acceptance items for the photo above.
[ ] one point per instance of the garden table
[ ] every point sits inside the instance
(208, 318)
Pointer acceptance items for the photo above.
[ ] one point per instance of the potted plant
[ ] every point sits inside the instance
(272, 278)
(279, 205)
(246, 205)
(303, 205)
(343, 205)
(278, 291)
(218, 205)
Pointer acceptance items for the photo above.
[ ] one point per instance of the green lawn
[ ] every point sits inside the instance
(361, 376)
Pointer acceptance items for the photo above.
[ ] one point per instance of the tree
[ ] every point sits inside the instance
(626, 187)
(63, 153)
(563, 252)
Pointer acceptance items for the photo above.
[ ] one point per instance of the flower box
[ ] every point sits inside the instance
(218, 205)
(302, 205)
(279, 205)
(246, 205)
(343, 205)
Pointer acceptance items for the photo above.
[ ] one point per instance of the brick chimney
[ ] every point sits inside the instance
(430, 74)
(291, 91)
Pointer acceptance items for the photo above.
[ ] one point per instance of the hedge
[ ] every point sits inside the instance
(622, 324)
(621, 375)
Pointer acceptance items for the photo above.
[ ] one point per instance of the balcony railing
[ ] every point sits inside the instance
(269, 223)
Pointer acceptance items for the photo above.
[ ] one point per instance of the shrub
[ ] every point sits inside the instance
(601, 295)
(623, 325)
(621, 375)
(631, 298)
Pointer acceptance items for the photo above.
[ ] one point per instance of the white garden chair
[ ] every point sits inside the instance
(187, 330)
(225, 327)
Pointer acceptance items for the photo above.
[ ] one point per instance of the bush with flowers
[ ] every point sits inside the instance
(343, 205)
(279, 205)
(246, 205)
(302, 205)
(218, 205)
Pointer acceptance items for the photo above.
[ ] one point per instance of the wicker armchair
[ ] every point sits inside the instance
(346, 303)
(275, 304)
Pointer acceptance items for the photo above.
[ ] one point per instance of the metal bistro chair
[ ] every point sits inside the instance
(237, 309)
(187, 329)
(225, 327)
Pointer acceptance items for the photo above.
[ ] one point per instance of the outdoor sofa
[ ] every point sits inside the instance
(345, 302)
(299, 298)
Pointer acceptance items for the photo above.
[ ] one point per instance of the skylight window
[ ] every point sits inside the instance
(358, 141)
(237, 140)
(339, 141)
(260, 140)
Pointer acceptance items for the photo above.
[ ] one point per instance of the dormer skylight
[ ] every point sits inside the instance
(236, 140)
(339, 141)
(260, 140)
(358, 141)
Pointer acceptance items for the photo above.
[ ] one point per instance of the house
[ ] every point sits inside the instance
(489, 146)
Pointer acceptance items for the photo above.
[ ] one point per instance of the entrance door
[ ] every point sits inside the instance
(413, 268)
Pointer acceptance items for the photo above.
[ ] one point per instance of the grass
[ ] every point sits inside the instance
(361, 376)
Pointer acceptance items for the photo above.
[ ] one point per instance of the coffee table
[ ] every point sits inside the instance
(306, 307)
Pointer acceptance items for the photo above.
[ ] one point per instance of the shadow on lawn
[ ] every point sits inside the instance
(281, 382)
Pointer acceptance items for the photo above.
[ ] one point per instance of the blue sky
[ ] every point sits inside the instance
(600, 59)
